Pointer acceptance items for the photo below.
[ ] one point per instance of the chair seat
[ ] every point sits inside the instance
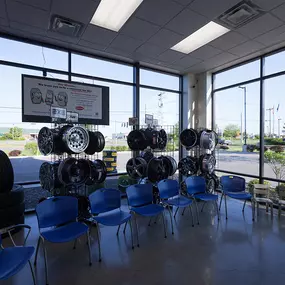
(113, 218)
(65, 233)
(148, 210)
(281, 202)
(13, 259)
(263, 200)
(240, 195)
(179, 201)
(206, 197)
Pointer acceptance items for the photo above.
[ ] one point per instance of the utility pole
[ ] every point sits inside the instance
(244, 94)
(279, 127)
(273, 119)
(241, 136)
(269, 110)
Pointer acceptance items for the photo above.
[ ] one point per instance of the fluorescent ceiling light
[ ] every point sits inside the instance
(201, 37)
(113, 14)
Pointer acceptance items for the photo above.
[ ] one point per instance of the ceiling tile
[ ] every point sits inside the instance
(57, 36)
(126, 43)
(165, 38)
(177, 67)
(150, 50)
(81, 11)
(229, 40)
(158, 12)
(187, 22)
(205, 52)
(246, 48)
(4, 22)
(41, 4)
(139, 29)
(28, 29)
(98, 35)
(170, 56)
(187, 61)
(197, 68)
(2, 9)
(268, 4)
(212, 9)
(272, 37)
(260, 26)
(118, 52)
(279, 12)
(27, 15)
(91, 45)
(219, 60)
(184, 2)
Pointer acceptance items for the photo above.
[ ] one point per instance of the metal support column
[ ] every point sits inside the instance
(136, 98)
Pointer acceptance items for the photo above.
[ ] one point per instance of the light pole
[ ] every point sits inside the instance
(244, 93)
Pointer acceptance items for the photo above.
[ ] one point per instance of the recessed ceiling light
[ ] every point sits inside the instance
(201, 37)
(113, 14)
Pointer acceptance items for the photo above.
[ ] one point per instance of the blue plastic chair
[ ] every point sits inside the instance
(140, 199)
(170, 197)
(14, 259)
(57, 220)
(106, 205)
(234, 187)
(197, 189)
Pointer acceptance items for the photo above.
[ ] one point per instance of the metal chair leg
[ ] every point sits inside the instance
(197, 212)
(203, 207)
(32, 271)
(37, 251)
(45, 258)
(226, 207)
(266, 207)
(279, 211)
(253, 210)
(190, 208)
(118, 230)
(271, 206)
(137, 229)
(217, 208)
(170, 214)
(75, 242)
(243, 205)
(257, 204)
(163, 219)
(99, 242)
(149, 222)
(183, 212)
(124, 231)
(176, 212)
(131, 228)
(221, 202)
(89, 247)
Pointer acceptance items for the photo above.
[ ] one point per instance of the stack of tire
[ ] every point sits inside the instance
(12, 202)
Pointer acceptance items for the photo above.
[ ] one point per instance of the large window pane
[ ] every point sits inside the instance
(33, 55)
(238, 74)
(101, 68)
(158, 79)
(16, 138)
(274, 131)
(274, 63)
(230, 125)
(164, 107)
(121, 109)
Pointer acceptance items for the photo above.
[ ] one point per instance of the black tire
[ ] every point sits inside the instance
(12, 198)
(11, 213)
(6, 173)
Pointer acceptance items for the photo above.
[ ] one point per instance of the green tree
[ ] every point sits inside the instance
(277, 163)
(231, 130)
(14, 133)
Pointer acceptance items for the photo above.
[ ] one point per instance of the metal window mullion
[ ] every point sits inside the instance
(69, 66)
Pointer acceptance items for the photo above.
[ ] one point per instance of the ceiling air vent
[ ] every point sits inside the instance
(241, 14)
(65, 26)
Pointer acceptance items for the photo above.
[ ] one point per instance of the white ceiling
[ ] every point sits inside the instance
(150, 32)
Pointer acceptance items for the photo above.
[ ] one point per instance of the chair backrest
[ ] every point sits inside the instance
(261, 189)
(168, 188)
(195, 184)
(139, 194)
(232, 183)
(105, 200)
(56, 211)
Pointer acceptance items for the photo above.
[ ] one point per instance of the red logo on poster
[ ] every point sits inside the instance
(79, 108)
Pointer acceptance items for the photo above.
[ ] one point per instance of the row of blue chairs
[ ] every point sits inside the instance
(57, 216)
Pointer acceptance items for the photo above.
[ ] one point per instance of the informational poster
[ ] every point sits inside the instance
(44, 99)
(148, 119)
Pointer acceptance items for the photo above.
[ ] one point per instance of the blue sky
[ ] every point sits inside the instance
(121, 103)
